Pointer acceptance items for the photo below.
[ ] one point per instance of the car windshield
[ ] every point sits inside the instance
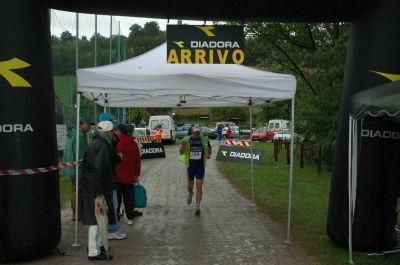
(138, 133)
(261, 130)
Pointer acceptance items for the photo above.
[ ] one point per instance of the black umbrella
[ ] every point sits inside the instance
(158, 125)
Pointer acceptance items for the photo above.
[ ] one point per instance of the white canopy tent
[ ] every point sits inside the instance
(148, 81)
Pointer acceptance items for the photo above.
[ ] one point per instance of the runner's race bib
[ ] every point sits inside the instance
(195, 155)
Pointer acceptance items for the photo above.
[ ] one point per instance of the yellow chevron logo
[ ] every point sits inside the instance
(14, 79)
(207, 30)
(391, 77)
(224, 152)
(179, 43)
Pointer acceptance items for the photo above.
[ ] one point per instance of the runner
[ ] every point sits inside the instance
(194, 152)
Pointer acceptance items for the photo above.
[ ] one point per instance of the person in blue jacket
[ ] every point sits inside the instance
(219, 132)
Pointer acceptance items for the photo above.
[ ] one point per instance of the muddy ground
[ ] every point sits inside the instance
(228, 231)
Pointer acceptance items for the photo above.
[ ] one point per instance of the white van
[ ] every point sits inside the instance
(276, 125)
(168, 127)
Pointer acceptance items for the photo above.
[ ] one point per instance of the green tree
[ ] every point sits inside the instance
(222, 114)
(66, 36)
(143, 39)
(315, 55)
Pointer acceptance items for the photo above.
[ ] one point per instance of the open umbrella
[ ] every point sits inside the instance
(155, 127)
(101, 210)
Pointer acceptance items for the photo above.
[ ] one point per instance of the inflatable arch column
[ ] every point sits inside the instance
(30, 225)
(374, 45)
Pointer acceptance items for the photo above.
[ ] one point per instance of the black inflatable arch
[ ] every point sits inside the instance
(30, 225)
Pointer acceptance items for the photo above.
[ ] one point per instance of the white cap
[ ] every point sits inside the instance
(105, 126)
(196, 128)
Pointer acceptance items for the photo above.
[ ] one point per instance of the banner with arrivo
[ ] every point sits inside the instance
(189, 44)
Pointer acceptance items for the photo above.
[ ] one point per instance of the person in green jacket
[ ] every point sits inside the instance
(194, 152)
(70, 156)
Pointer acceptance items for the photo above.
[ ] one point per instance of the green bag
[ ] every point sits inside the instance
(140, 196)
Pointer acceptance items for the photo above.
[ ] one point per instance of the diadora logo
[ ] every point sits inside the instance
(152, 150)
(9, 128)
(379, 134)
(224, 152)
(207, 30)
(244, 155)
(12, 78)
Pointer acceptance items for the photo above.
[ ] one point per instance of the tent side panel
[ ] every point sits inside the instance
(373, 45)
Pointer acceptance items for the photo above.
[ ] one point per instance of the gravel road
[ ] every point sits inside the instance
(228, 231)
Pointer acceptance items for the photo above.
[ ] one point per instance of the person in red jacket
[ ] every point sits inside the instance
(229, 133)
(158, 135)
(127, 171)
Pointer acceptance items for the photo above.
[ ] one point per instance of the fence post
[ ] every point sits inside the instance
(319, 159)
(287, 147)
(301, 155)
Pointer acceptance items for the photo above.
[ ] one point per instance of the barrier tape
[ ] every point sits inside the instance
(235, 142)
(14, 172)
(145, 139)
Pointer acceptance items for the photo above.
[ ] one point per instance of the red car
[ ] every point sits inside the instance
(263, 135)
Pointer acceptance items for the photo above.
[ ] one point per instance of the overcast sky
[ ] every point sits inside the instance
(66, 21)
(126, 22)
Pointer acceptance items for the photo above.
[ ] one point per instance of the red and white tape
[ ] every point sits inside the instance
(144, 139)
(235, 142)
(13, 172)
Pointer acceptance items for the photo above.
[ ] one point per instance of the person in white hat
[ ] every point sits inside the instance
(97, 182)
(194, 152)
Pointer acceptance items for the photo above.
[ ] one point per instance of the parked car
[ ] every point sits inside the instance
(285, 134)
(210, 133)
(235, 132)
(141, 132)
(224, 124)
(263, 135)
(182, 131)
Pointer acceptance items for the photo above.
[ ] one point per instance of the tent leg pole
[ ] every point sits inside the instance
(290, 176)
(78, 105)
(251, 154)
(350, 187)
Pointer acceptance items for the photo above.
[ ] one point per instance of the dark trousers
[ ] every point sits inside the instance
(127, 192)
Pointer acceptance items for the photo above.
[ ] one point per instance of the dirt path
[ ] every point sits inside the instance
(229, 230)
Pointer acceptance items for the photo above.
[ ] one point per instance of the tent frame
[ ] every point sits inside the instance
(266, 86)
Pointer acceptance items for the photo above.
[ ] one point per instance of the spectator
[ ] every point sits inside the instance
(127, 171)
(229, 132)
(158, 135)
(131, 130)
(219, 132)
(116, 158)
(70, 156)
(97, 183)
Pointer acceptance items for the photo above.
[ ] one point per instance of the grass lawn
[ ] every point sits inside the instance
(310, 197)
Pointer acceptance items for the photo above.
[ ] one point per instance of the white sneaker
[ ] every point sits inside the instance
(189, 198)
(116, 235)
(130, 222)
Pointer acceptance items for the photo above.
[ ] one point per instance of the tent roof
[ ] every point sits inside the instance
(377, 101)
(148, 81)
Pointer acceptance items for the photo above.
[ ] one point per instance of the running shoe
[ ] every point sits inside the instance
(197, 210)
(116, 235)
(189, 198)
